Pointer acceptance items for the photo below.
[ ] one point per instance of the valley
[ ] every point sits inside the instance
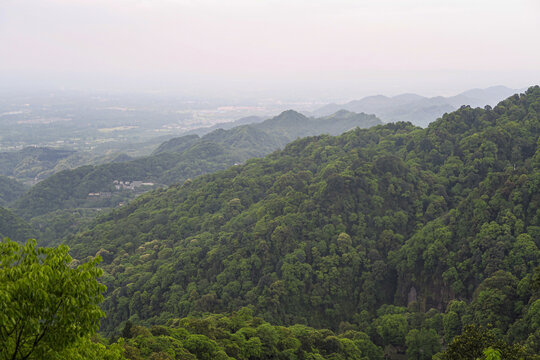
(339, 237)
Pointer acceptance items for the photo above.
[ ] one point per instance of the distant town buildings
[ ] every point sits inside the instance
(120, 185)
(130, 185)
(100, 194)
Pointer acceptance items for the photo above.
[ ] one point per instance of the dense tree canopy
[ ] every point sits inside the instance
(479, 343)
(243, 337)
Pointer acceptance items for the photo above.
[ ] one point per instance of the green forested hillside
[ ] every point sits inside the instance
(404, 233)
(10, 190)
(30, 162)
(177, 160)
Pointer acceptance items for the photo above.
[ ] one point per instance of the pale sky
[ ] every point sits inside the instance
(305, 48)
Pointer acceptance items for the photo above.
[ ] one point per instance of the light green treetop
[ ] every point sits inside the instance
(47, 303)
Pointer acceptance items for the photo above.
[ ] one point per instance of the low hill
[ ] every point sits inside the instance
(31, 162)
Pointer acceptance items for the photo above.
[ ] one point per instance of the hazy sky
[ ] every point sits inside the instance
(305, 48)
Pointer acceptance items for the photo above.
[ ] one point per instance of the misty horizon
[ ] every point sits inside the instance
(321, 50)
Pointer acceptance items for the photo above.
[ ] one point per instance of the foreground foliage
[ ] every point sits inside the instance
(48, 305)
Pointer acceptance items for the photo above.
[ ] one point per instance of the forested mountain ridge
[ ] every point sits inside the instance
(248, 120)
(177, 144)
(266, 136)
(386, 230)
(177, 160)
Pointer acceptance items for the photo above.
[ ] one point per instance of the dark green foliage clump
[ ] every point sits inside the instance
(241, 336)
(10, 190)
(477, 342)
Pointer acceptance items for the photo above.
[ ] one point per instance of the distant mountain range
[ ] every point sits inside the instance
(419, 110)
